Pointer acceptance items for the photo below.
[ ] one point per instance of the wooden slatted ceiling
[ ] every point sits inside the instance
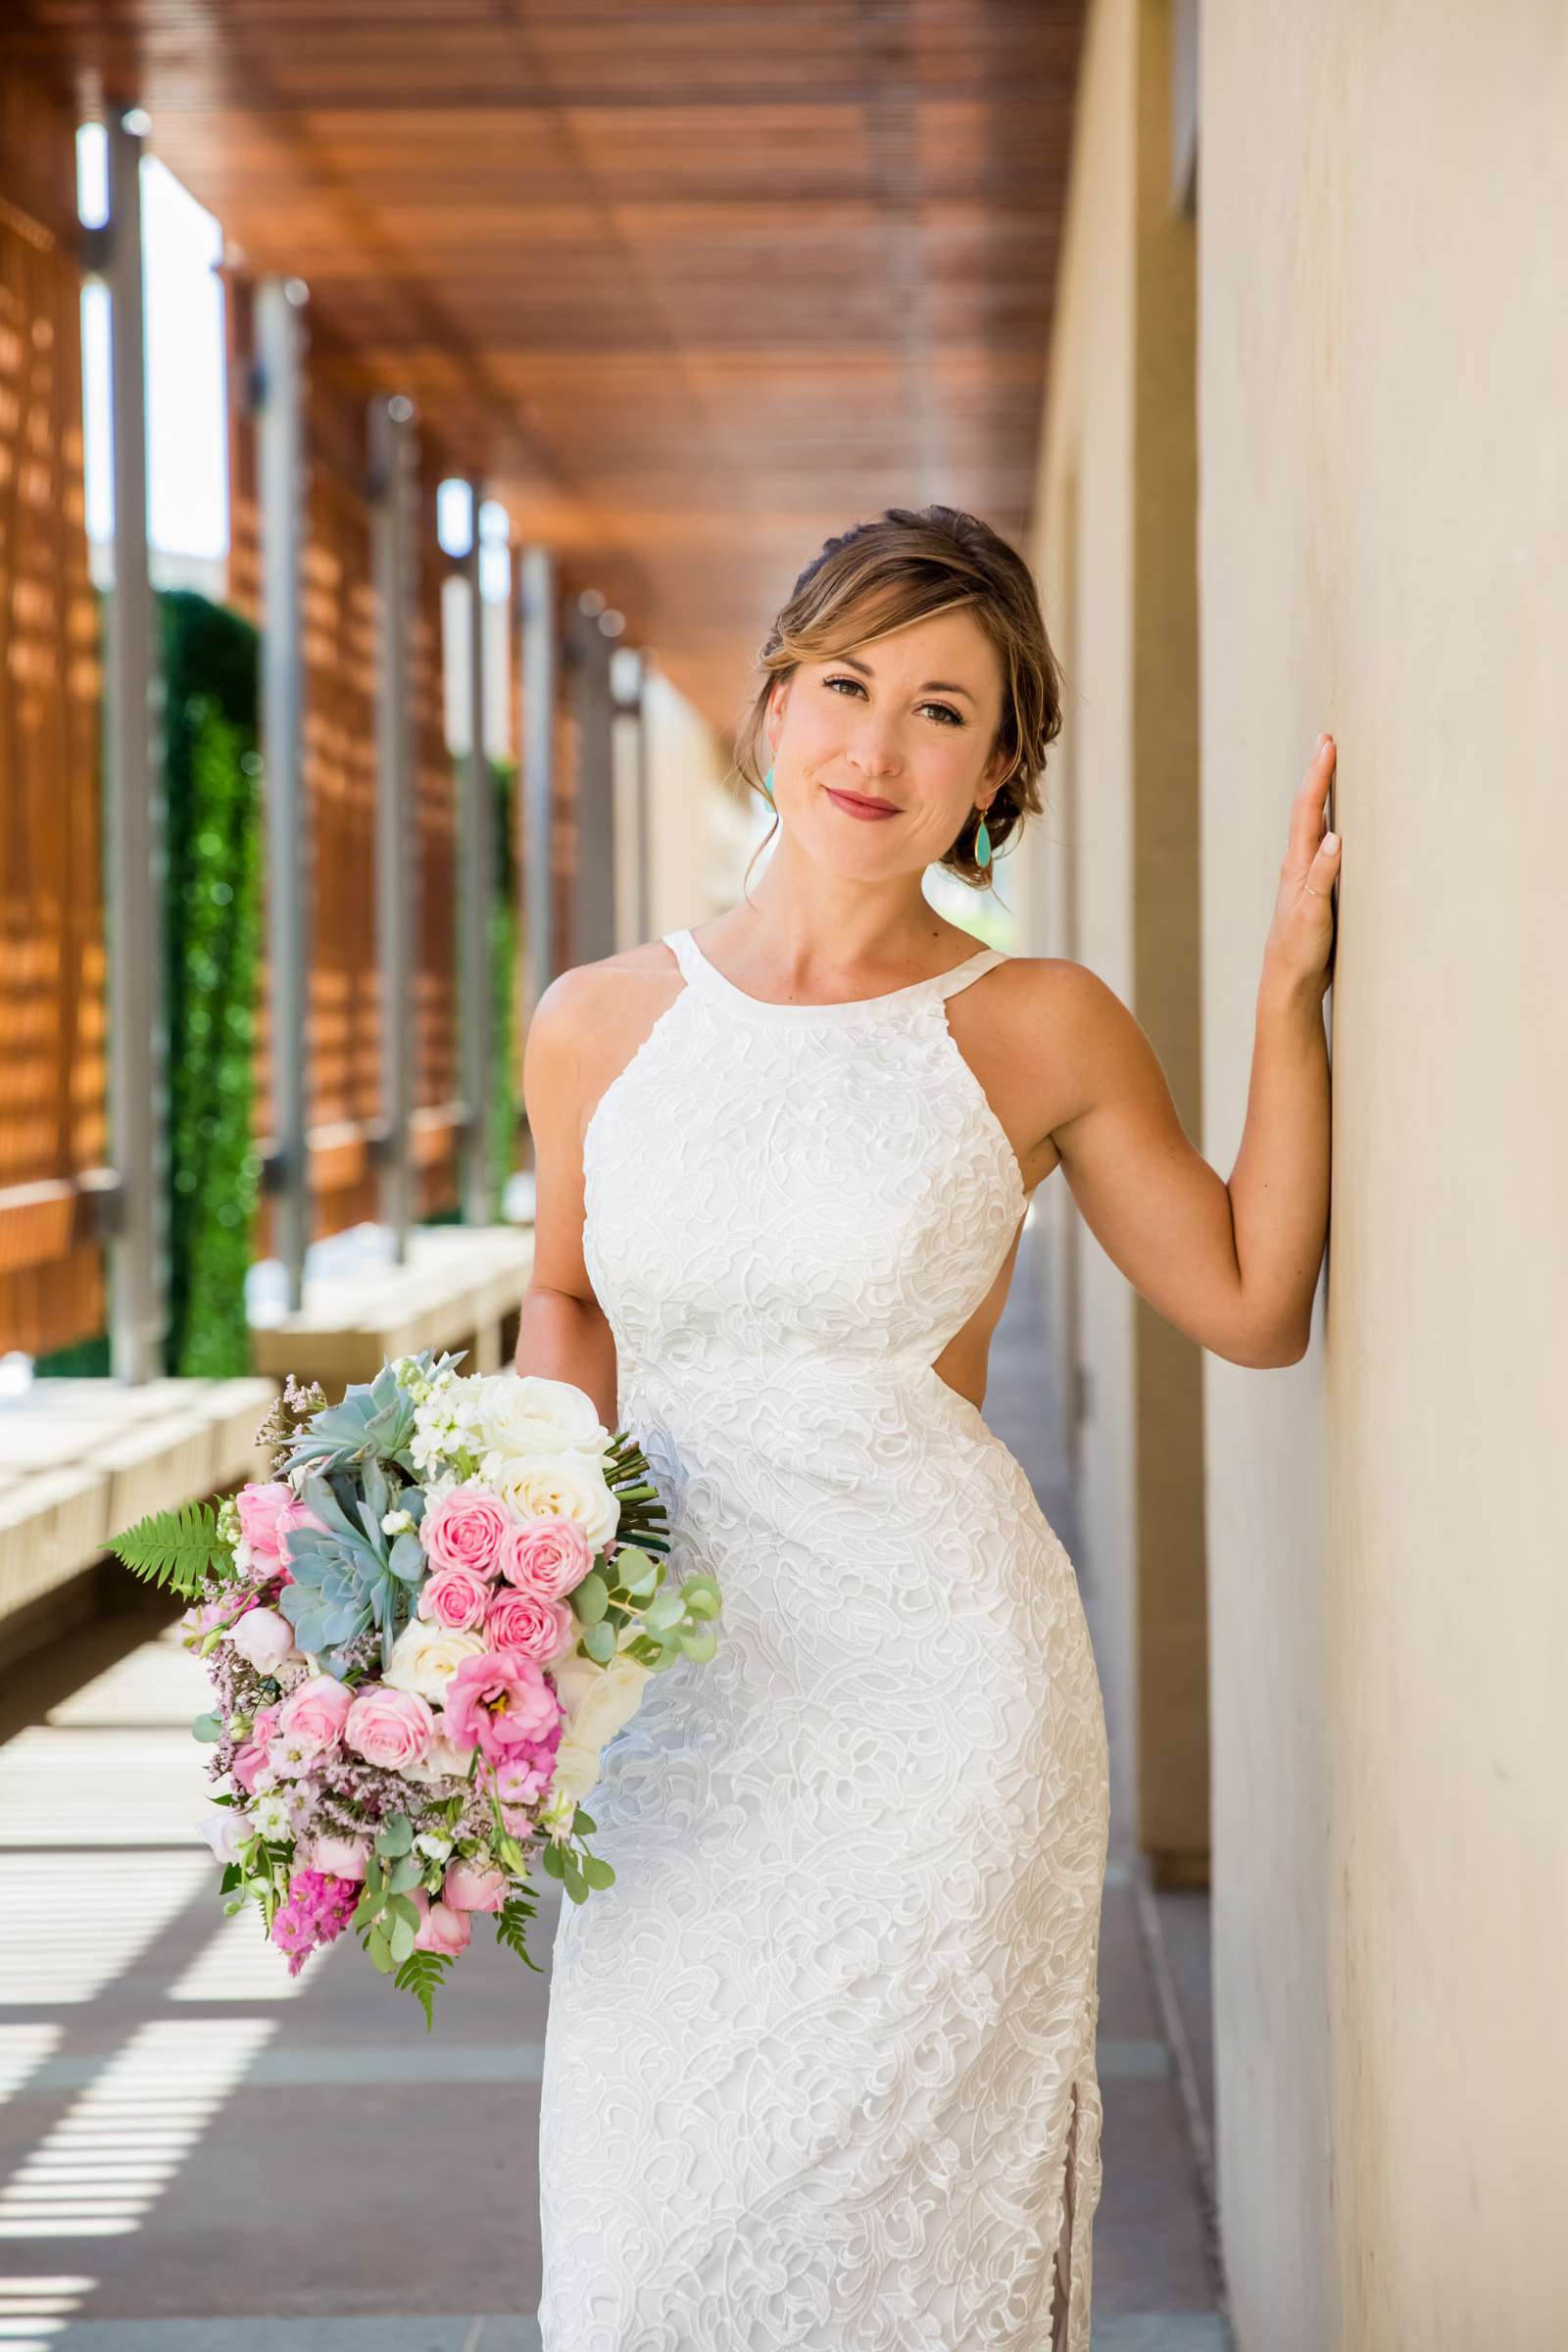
(695, 284)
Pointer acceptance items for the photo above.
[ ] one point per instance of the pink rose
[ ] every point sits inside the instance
(259, 1507)
(440, 1927)
(294, 1514)
(462, 1529)
(263, 1637)
(498, 1702)
(387, 1726)
(456, 1597)
(540, 1629)
(249, 1760)
(546, 1557)
(468, 1887)
(312, 1716)
(337, 1858)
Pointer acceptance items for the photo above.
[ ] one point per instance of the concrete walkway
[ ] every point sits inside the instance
(159, 2194)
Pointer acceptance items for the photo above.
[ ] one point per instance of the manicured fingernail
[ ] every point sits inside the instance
(1331, 842)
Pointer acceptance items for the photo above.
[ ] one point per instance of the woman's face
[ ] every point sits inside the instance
(880, 755)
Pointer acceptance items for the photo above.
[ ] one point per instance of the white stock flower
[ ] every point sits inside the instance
(425, 1657)
(436, 1847)
(397, 1523)
(275, 1814)
(556, 1486)
(525, 1413)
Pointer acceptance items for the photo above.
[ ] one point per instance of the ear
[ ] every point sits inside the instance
(773, 717)
(996, 770)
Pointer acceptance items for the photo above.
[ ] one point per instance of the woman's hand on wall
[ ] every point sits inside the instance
(1300, 951)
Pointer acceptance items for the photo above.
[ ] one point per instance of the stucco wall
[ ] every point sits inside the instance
(1383, 552)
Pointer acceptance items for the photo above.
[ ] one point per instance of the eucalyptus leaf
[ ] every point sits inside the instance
(396, 1837)
(409, 1872)
(597, 1871)
(600, 1642)
(399, 1939)
(668, 1609)
(591, 1597)
(206, 1728)
(699, 1643)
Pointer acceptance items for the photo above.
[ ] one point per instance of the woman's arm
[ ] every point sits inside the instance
(563, 1333)
(1235, 1265)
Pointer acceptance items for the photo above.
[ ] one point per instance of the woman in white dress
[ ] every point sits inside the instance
(819, 2067)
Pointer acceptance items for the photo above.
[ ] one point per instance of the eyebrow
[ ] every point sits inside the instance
(931, 686)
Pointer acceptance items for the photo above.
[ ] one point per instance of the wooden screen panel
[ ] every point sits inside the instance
(53, 1041)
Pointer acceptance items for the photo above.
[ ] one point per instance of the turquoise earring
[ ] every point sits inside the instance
(768, 787)
(982, 844)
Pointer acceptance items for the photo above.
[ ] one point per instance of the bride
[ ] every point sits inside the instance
(819, 2066)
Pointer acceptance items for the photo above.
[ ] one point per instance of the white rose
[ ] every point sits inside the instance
(441, 1761)
(557, 1486)
(226, 1830)
(524, 1413)
(265, 1638)
(598, 1700)
(425, 1657)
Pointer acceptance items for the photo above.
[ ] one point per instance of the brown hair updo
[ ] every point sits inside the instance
(905, 566)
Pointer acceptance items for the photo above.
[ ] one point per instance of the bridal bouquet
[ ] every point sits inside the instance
(421, 1633)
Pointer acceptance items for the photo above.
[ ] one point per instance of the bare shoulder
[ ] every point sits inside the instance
(593, 1015)
(1063, 1021)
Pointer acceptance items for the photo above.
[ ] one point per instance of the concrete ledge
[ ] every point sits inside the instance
(82, 1459)
(459, 1286)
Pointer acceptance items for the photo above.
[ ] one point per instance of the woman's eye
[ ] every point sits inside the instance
(946, 714)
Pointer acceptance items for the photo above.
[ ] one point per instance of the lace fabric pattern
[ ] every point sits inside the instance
(818, 2070)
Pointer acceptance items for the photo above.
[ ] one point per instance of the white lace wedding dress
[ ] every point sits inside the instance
(818, 2073)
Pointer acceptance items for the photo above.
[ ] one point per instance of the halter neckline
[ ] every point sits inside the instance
(696, 966)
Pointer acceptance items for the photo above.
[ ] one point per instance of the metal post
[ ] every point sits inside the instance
(394, 459)
(536, 828)
(476, 893)
(594, 904)
(281, 340)
(627, 678)
(134, 882)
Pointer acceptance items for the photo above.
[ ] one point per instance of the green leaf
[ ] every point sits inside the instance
(700, 1643)
(173, 1549)
(407, 1873)
(396, 1838)
(233, 1876)
(552, 1861)
(597, 1871)
(206, 1727)
(575, 1885)
(600, 1642)
(635, 1571)
(367, 1909)
(400, 1939)
(403, 1907)
(668, 1610)
(380, 1951)
(591, 1597)
(584, 1821)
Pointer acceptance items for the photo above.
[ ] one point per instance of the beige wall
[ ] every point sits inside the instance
(1383, 552)
(1110, 877)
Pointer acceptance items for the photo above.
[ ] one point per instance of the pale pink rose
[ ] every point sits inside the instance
(294, 1514)
(468, 1887)
(263, 1637)
(251, 1759)
(338, 1857)
(462, 1529)
(440, 1927)
(259, 1507)
(540, 1629)
(387, 1726)
(546, 1557)
(499, 1702)
(456, 1597)
(312, 1718)
(226, 1830)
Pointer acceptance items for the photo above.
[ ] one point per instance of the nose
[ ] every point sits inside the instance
(872, 750)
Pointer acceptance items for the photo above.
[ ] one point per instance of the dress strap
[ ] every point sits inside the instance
(685, 951)
(946, 984)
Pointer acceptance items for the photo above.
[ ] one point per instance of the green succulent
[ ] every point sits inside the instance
(349, 1573)
(374, 1420)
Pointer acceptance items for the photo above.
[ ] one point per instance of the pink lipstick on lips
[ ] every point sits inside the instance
(854, 804)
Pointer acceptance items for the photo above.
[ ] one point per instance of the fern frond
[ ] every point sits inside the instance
(511, 1927)
(420, 1974)
(175, 1549)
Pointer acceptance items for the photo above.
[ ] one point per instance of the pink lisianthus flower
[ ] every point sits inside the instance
(312, 1716)
(464, 1528)
(524, 1775)
(540, 1629)
(498, 1702)
(545, 1556)
(338, 1857)
(389, 1728)
(440, 1927)
(455, 1597)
